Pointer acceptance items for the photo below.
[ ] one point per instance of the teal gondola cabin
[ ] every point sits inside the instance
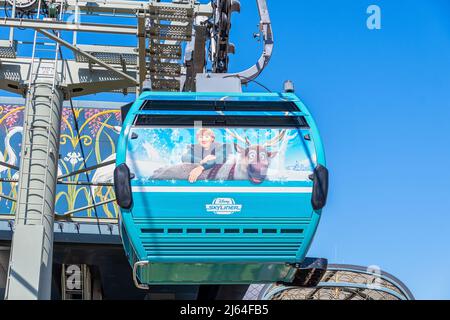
(218, 188)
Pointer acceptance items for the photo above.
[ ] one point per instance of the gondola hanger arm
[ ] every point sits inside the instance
(265, 26)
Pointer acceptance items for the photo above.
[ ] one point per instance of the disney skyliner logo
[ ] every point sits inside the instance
(223, 206)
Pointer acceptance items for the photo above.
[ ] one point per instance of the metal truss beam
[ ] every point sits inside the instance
(107, 6)
(63, 25)
(195, 57)
(128, 7)
(85, 183)
(142, 51)
(9, 180)
(86, 88)
(88, 56)
(122, 7)
(347, 286)
(61, 219)
(355, 281)
(13, 74)
(79, 79)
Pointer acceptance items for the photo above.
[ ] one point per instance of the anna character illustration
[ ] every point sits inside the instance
(206, 153)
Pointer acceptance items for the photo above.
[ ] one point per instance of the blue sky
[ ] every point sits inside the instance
(381, 99)
(382, 102)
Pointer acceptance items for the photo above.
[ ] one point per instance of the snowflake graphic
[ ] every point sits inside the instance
(73, 158)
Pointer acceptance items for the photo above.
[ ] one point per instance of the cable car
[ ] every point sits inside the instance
(219, 188)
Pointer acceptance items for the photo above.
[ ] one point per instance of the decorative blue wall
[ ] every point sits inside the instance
(98, 133)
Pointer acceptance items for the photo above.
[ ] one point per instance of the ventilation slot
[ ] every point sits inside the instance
(231, 231)
(196, 231)
(292, 231)
(270, 231)
(273, 231)
(175, 231)
(212, 230)
(159, 231)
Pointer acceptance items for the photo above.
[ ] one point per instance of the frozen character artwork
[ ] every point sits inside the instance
(200, 161)
(206, 154)
(253, 155)
(252, 161)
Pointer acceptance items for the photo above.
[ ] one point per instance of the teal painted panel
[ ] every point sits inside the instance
(202, 205)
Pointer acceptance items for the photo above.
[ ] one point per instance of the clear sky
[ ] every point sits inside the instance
(381, 99)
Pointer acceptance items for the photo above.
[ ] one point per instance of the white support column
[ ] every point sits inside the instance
(30, 267)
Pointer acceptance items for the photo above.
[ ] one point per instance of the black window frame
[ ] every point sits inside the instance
(219, 121)
(259, 121)
(220, 105)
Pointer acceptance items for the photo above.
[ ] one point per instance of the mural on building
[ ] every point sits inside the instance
(98, 133)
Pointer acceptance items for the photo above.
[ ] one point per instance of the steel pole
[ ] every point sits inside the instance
(30, 268)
